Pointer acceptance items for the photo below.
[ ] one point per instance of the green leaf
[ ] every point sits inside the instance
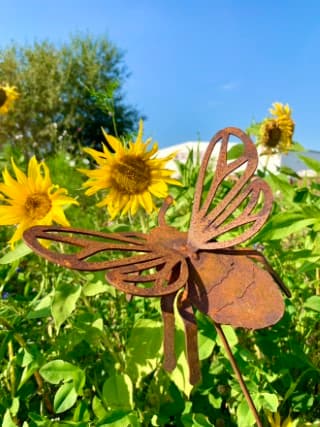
(26, 359)
(284, 231)
(310, 211)
(286, 170)
(230, 335)
(98, 408)
(269, 401)
(27, 373)
(200, 420)
(280, 183)
(297, 147)
(311, 163)
(308, 266)
(64, 302)
(284, 224)
(254, 128)
(65, 398)
(143, 347)
(206, 346)
(214, 401)
(39, 420)
(58, 370)
(244, 415)
(18, 252)
(42, 308)
(235, 151)
(15, 406)
(7, 420)
(300, 255)
(146, 333)
(92, 289)
(302, 402)
(121, 419)
(180, 375)
(117, 392)
(313, 303)
(82, 411)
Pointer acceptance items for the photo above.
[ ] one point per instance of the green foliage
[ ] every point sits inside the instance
(75, 352)
(57, 107)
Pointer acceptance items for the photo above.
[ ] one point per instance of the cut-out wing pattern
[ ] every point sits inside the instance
(207, 225)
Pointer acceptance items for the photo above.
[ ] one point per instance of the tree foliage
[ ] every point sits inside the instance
(56, 106)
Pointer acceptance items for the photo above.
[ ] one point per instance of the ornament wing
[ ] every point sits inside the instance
(237, 205)
(140, 271)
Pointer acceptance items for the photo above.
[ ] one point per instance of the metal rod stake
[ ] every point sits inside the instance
(237, 372)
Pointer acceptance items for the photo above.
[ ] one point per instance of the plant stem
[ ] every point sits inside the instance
(142, 219)
(114, 123)
(12, 374)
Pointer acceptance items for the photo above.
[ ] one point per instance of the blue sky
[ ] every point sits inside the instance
(196, 65)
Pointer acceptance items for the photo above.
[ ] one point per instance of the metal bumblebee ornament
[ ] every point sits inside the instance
(232, 285)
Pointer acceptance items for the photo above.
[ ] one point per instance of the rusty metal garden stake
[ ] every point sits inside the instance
(233, 286)
(237, 372)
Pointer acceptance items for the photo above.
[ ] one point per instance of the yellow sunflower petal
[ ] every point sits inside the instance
(159, 189)
(21, 177)
(152, 152)
(33, 173)
(138, 147)
(9, 215)
(113, 212)
(59, 217)
(8, 94)
(7, 178)
(17, 235)
(287, 422)
(115, 144)
(147, 201)
(127, 208)
(98, 156)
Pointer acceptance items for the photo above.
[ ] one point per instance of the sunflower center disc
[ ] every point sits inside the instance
(273, 135)
(37, 205)
(3, 97)
(131, 175)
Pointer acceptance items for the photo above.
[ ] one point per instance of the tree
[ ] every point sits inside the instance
(56, 106)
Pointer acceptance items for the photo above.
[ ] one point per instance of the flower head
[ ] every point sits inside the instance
(276, 132)
(7, 95)
(275, 420)
(131, 175)
(31, 199)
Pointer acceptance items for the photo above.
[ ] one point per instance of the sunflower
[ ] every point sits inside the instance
(32, 199)
(275, 420)
(276, 132)
(7, 95)
(131, 175)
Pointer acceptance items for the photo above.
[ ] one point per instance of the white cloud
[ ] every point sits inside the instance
(228, 86)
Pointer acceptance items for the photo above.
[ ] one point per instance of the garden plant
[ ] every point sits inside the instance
(76, 352)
